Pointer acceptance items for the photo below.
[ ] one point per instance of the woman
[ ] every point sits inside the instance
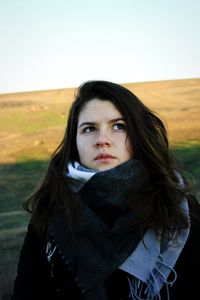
(113, 218)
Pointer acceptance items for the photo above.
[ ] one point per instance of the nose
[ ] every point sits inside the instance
(103, 140)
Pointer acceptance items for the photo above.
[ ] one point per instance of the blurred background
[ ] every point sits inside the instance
(48, 48)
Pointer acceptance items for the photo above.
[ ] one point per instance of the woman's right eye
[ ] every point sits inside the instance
(89, 129)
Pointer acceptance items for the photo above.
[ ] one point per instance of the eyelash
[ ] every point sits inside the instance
(90, 129)
(122, 126)
(85, 130)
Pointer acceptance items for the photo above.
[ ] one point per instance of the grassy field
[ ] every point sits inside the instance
(32, 125)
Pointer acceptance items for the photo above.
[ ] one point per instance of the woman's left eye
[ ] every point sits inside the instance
(119, 126)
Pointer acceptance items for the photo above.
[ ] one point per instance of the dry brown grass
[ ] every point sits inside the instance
(32, 125)
(177, 102)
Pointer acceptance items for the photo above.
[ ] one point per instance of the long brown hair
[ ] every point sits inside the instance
(160, 195)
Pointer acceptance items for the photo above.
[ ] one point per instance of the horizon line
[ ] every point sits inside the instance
(75, 87)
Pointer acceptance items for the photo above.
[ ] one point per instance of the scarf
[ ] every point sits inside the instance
(106, 241)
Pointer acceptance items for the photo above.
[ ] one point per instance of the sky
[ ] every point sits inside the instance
(50, 44)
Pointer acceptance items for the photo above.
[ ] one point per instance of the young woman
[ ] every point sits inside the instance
(113, 219)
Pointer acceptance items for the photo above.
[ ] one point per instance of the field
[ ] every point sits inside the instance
(32, 125)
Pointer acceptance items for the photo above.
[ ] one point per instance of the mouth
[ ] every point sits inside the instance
(104, 157)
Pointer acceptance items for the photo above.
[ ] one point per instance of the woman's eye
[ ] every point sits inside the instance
(119, 126)
(89, 129)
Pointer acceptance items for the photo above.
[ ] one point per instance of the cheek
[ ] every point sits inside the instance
(81, 147)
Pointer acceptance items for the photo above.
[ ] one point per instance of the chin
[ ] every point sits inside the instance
(105, 167)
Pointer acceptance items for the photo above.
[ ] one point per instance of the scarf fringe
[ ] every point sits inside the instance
(50, 249)
(140, 290)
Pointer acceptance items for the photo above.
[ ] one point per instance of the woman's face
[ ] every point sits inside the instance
(101, 138)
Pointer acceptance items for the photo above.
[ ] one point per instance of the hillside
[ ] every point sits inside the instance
(32, 123)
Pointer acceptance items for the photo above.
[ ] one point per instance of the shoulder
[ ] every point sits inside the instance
(32, 238)
(188, 263)
(194, 236)
(192, 246)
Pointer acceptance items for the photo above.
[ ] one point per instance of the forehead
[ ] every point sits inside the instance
(97, 109)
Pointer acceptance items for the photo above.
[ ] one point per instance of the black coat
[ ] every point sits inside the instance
(36, 280)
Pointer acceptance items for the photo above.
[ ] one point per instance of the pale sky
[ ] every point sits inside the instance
(50, 44)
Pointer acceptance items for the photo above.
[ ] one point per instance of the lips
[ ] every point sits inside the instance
(103, 156)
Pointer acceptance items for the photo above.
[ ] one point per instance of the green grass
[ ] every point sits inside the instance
(10, 245)
(18, 180)
(188, 154)
(13, 220)
(32, 122)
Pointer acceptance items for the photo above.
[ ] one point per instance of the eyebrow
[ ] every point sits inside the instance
(94, 123)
